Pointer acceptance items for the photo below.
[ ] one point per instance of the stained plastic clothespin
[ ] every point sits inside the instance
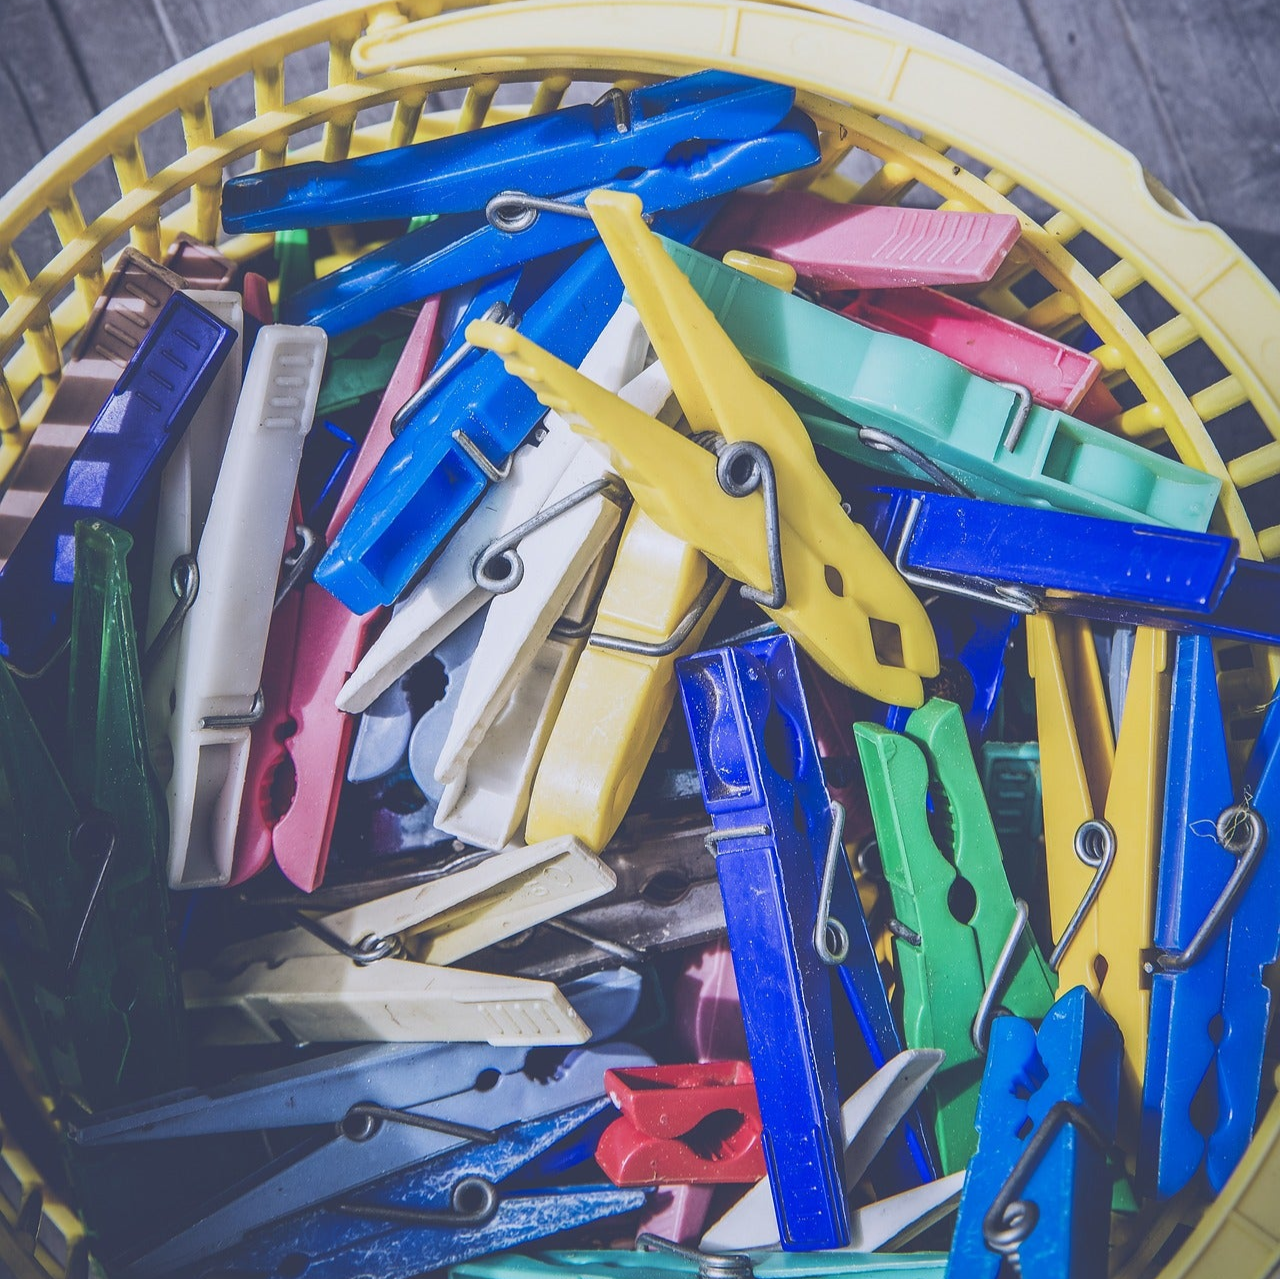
(451, 918)
(1102, 810)
(810, 567)
(661, 1105)
(391, 1108)
(82, 862)
(863, 246)
(303, 736)
(294, 987)
(1038, 1195)
(201, 266)
(1217, 933)
(130, 301)
(456, 443)
(1056, 562)
(851, 383)
(868, 1119)
(747, 133)
(953, 973)
(1056, 375)
(111, 474)
(782, 927)
(666, 898)
(217, 693)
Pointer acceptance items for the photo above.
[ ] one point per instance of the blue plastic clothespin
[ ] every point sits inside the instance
(1037, 1191)
(689, 141)
(759, 770)
(572, 147)
(448, 1209)
(391, 1107)
(458, 440)
(1217, 931)
(1033, 559)
(109, 475)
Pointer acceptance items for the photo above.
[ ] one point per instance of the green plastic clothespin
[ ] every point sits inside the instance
(82, 858)
(361, 362)
(295, 268)
(948, 949)
(842, 376)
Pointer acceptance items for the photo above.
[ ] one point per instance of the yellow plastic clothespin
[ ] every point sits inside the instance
(761, 508)
(1102, 812)
(657, 604)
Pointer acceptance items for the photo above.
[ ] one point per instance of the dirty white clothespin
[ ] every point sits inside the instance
(292, 986)
(450, 918)
(868, 1118)
(448, 594)
(220, 647)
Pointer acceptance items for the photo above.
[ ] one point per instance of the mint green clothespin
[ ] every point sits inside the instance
(961, 942)
(842, 376)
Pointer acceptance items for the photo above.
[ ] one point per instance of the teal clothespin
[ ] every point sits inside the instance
(688, 1263)
(844, 378)
(82, 858)
(961, 951)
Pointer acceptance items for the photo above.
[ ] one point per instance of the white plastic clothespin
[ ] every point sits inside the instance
(221, 643)
(487, 804)
(555, 556)
(448, 594)
(868, 1118)
(292, 986)
(186, 491)
(473, 908)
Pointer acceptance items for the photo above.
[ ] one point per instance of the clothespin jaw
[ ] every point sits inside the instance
(950, 970)
(662, 1105)
(1038, 1192)
(1216, 933)
(1102, 819)
(814, 570)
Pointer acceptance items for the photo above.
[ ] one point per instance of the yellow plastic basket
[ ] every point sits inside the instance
(1189, 327)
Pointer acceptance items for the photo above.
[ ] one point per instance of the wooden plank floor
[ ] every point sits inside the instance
(1192, 87)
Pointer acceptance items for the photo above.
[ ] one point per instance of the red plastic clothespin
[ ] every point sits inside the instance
(696, 1124)
(850, 246)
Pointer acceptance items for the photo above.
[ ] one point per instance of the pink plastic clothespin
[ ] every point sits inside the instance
(708, 1022)
(1057, 375)
(257, 297)
(300, 746)
(839, 246)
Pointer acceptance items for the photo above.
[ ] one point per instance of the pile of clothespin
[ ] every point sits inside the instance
(696, 733)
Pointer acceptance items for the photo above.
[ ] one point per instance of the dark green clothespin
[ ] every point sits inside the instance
(82, 858)
(961, 942)
(361, 362)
